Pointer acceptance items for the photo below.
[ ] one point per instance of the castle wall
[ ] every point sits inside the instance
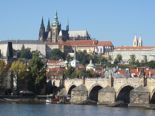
(3, 48)
(139, 54)
(33, 47)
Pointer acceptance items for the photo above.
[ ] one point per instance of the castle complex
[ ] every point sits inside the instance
(54, 33)
(54, 37)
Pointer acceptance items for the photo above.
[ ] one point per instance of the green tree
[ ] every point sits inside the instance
(37, 70)
(56, 54)
(18, 68)
(132, 60)
(69, 71)
(90, 73)
(2, 66)
(150, 64)
(83, 57)
(137, 63)
(118, 59)
(2, 71)
(25, 53)
(0, 54)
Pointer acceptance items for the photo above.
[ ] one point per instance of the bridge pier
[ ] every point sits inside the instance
(79, 95)
(140, 96)
(107, 96)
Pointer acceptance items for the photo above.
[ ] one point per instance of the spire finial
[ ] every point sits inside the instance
(67, 26)
(48, 26)
(42, 21)
(56, 15)
(42, 29)
(56, 21)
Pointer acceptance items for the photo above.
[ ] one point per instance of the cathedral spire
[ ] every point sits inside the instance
(56, 20)
(67, 26)
(42, 30)
(48, 26)
(42, 23)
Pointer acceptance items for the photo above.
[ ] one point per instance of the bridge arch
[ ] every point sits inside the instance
(124, 94)
(70, 89)
(152, 97)
(93, 92)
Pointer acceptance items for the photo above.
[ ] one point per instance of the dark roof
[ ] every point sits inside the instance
(21, 41)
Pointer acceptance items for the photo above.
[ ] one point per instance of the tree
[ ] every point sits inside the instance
(0, 54)
(137, 63)
(56, 54)
(18, 68)
(132, 60)
(118, 59)
(68, 72)
(2, 66)
(37, 70)
(25, 53)
(83, 57)
(150, 64)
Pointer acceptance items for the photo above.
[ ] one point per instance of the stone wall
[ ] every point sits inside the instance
(107, 96)
(79, 95)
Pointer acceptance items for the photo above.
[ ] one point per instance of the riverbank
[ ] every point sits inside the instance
(43, 100)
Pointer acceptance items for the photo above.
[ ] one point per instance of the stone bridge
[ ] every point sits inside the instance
(120, 86)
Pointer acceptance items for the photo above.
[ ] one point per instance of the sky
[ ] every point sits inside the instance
(106, 20)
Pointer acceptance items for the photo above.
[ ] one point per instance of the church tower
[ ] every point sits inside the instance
(67, 26)
(56, 27)
(140, 42)
(42, 31)
(135, 41)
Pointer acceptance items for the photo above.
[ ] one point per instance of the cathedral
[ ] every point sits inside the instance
(55, 34)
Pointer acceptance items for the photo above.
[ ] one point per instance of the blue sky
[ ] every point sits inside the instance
(114, 20)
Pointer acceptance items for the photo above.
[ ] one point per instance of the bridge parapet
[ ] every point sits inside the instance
(72, 82)
(91, 83)
(120, 83)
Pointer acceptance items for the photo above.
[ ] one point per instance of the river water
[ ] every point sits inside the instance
(70, 110)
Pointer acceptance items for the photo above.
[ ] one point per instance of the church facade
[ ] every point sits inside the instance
(141, 53)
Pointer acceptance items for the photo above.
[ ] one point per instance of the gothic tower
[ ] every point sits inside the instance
(56, 27)
(67, 26)
(48, 26)
(135, 41)
(42, 31)
(140, 42)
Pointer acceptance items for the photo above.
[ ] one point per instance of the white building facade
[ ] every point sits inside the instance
(141, 53)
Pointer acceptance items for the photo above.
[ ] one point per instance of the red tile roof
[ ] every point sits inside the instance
(87, 43)
(151, 71)
(122, 72)
(55, 71)
(104, 43)
(135, 48)
(81, 43)
(137, 71)
(54, 61)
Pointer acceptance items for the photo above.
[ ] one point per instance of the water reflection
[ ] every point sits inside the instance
(69, 110)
